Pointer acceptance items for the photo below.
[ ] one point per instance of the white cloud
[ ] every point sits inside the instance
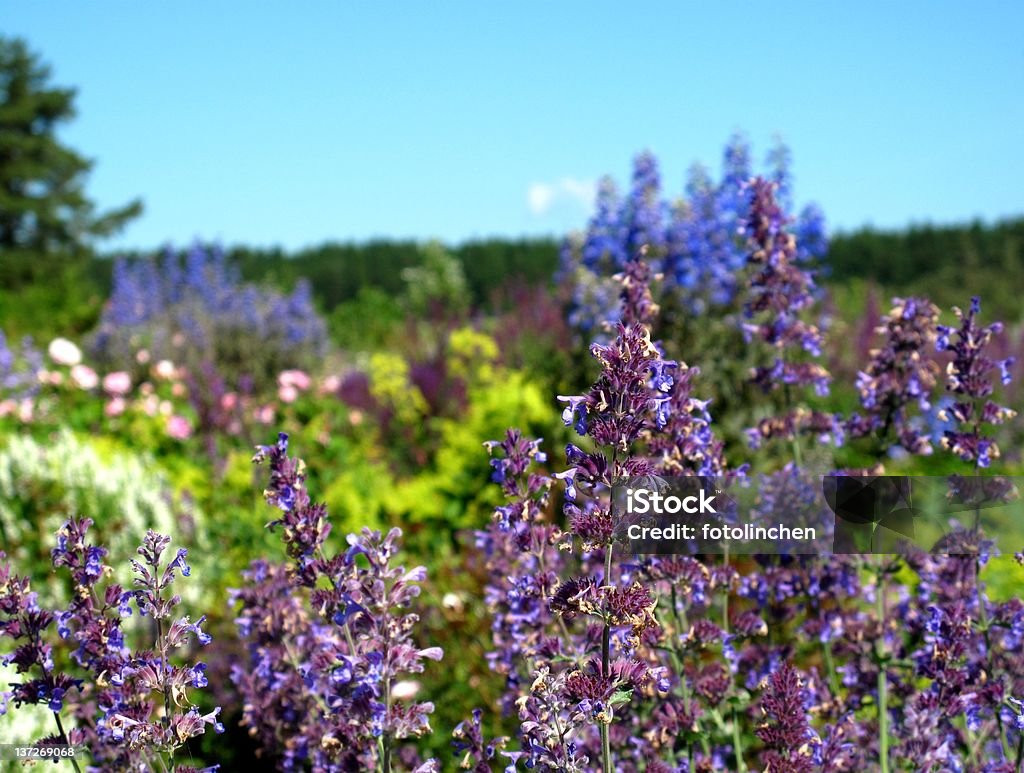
(542, 197)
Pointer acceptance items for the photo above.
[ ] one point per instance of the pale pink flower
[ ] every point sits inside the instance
(178, 427)
(164, 370)
(115, 407)
(178, 389)
(151, 405)
(330, 385)
(229, 401)
(146, 389)
(166, 408)
(287, 393)
(64, 352)
(84, 377)
(7, 407)
(117, 383)
(264, 414)
(51, 377)
(26, 410)
(355, 418)
(294, 378)
(142, 356)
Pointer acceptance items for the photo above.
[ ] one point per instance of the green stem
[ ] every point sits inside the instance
(883, 688)
(725, 596)
(737, 743)
(64, 737)
(830, 664)
(606, 749)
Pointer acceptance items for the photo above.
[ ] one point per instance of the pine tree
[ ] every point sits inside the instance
(47, 222)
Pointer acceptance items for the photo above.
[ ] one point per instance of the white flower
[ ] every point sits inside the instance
(64, 352)
(164, 370)
(405, 689)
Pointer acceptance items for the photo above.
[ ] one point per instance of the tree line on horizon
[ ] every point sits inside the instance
(54, 277)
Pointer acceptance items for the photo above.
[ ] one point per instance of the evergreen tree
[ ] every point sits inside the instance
(46, 220)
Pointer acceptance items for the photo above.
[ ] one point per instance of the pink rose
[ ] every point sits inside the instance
(264, 414)
(178, 427)
(294, 378)
(287, 393)
(117, 383)
(84, 377)
(26, 410)
(330, 385)
(115, 407)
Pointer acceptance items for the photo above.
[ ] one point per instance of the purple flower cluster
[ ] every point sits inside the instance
(969, 380)
(129, 708)
(191, 307)
(780, 663)
(779, 293)
(19, 369)
(900, 376)
(329, 640)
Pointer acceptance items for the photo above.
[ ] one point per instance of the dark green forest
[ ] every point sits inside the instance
(938, 260)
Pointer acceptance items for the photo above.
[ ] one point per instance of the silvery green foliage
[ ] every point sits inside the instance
(42, 484)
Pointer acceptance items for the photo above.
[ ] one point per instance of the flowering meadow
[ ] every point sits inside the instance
(232, 540)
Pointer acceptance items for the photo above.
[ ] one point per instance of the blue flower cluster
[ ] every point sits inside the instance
(694, 242)
(19, 369)
(197, 302)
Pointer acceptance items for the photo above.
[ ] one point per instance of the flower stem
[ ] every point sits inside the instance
(606, 749)
(883, 687)
(64, 737)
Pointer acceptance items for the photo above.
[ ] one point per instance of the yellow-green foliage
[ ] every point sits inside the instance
(453, 490)
(391, 387)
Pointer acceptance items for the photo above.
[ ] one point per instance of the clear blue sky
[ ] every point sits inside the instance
(281, 123)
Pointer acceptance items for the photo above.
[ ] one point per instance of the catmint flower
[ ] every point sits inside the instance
(787, 732)
(969, 380)
(900, 375)
(330, 641)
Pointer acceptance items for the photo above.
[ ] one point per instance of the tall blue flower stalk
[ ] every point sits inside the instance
(694, 241)
(192, 308)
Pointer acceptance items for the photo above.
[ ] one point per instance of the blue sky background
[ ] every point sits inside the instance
(272, 123)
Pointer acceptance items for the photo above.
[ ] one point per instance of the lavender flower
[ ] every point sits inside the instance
(787, 732)
(779, 291)
(899, 376)
(969, 379)
(323, 667)
(113, 708)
